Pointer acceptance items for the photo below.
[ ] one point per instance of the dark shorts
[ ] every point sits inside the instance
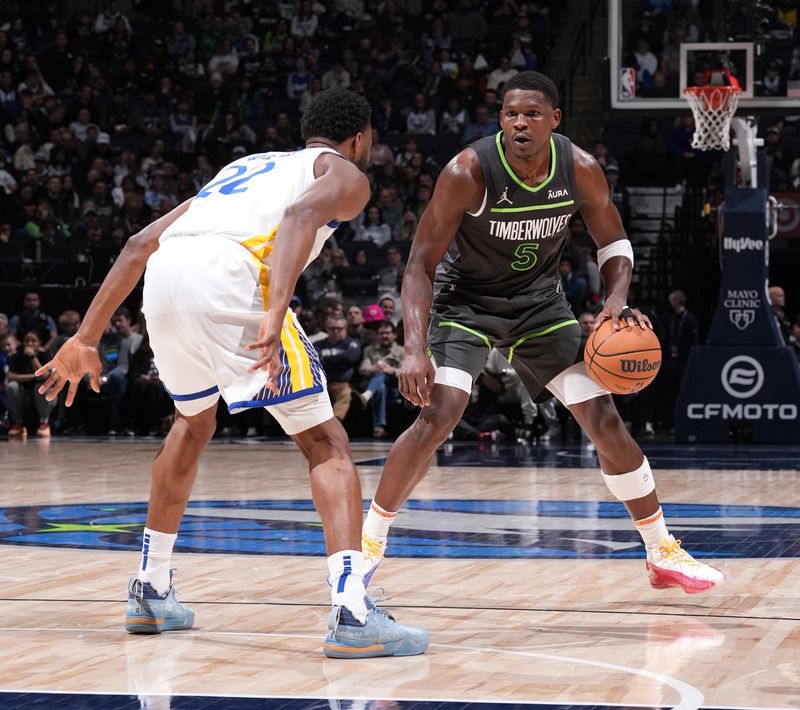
(540, 337)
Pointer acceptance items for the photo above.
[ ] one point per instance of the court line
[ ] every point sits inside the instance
(405, 700)
(690, 697)
(533, 610)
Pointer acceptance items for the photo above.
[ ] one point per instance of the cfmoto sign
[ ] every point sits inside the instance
(742, 376)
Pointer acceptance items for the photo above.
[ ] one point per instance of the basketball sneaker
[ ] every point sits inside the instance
(379, 635)
(151, 613)
(670, 565)
(372, 548)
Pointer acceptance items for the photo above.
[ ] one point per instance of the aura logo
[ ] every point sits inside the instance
(742, 376)
(444, 528)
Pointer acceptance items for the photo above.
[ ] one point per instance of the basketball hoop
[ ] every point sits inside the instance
(713, 108)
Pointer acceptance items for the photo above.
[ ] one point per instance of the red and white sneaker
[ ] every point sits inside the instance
(670, 565)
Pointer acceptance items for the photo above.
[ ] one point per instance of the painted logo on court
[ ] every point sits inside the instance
(442, 528)
(742, 376)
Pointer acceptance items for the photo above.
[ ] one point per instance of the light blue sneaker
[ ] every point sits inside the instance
(150, 613)
(380, 635)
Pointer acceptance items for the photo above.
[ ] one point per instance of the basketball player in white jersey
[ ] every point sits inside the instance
(221, 270)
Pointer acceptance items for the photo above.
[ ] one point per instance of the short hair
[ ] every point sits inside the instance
(124, 312)
(680, 296)
(533, 81)
(335, 319)
(68, 316)
(335, 114)
(387, 324)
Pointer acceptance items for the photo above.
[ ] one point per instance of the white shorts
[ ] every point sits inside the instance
(204, 299)
(574, 385)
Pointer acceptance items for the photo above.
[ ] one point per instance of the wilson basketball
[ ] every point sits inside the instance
(622, 361)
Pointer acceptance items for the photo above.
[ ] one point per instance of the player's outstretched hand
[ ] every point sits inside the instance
(416, 379)
(616, 309)
(269, 355)
(75, 359)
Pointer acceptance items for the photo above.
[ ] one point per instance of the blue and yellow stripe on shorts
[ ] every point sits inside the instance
(301, 372)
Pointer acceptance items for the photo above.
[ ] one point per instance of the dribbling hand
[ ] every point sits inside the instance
(616, 309)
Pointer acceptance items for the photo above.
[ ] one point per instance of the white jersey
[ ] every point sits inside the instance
(245, 201)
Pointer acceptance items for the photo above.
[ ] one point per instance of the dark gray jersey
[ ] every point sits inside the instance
(512, 245)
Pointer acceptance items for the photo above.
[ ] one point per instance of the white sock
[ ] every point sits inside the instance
(653, 528)
(378, 521)
(156, 553)
(345, 570)
(367, 395)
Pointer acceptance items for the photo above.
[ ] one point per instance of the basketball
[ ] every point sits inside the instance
(622, 361)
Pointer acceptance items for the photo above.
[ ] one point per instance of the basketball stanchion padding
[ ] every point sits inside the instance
(622, 361)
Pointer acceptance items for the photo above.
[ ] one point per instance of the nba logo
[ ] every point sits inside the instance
(627, 83)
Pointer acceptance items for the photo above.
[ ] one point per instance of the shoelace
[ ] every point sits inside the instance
(372, 548)
(673, 552)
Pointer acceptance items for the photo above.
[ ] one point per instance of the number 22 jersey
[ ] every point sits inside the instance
(245, 201)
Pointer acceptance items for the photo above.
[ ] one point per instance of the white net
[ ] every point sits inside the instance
(713, 107)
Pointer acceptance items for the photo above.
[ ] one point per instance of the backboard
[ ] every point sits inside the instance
(748, 38)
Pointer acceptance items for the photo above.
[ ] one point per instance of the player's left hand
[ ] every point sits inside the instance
(617, 310)
(269, 354)
(76, 358)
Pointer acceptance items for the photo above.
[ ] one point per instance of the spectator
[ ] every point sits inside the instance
(388, 304)
(777, 299)
(298, 81)
(33, 319)
(116, 379)
(390, 276)
(22, 383)
(382, 154)
(574, 287)
(421, 120)
(8, 346)
(454, 118)
(646, 64)
(305, 22)
(225, 62)
(681, 336)
(340, 355)
(151, 406)
(356, 329)
(337, 77)
(499, 76)
(602, 154)
(649, 154)
(373, 228)
(380, 364)
(619, 194)
(68, 324)
(481, 127)
(405, 231)
(586, 322)
(391, 206)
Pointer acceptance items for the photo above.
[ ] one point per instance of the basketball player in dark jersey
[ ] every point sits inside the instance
(483, 273)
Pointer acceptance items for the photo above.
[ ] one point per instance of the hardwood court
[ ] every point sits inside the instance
(528, 576)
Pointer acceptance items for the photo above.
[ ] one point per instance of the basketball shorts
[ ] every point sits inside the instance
(204, 298)
(541, 340)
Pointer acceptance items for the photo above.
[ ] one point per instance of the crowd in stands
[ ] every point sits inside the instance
(108, 121)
